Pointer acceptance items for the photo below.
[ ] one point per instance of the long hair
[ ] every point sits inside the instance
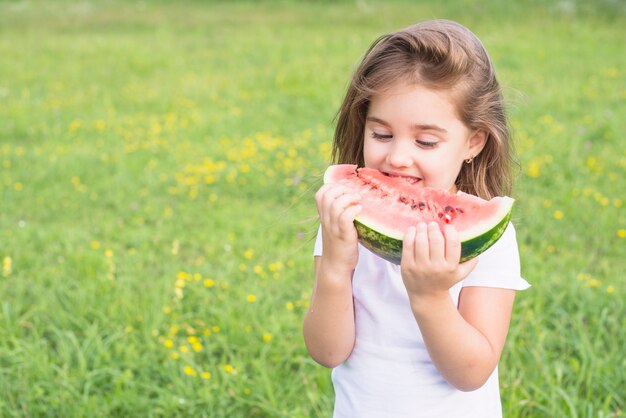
(444, 56)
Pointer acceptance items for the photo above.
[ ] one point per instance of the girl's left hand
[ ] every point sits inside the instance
(430, 260)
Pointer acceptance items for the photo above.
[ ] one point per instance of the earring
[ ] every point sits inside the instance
(469, 160)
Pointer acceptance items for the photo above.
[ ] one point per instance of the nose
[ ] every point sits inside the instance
(399, 155)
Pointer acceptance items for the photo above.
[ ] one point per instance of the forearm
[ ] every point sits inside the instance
(328, 326)
(462, 354)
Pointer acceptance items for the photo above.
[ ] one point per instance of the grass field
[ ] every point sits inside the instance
(157, 168)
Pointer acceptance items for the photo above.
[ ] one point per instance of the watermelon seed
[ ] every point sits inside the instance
(402, 199)
(448, 209)
(440, 215)
(413, 206)
(422, 205)
(459, 210)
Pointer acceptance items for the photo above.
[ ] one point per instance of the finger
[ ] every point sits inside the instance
(319, 197)
(343, 201)
(436, 243)
(466, 268)
(453, 244)
(329, 192)
(346, 219)
(408, 245)
(421, 250)
(326, 197)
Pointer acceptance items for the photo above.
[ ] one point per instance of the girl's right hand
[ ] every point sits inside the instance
(337, 206)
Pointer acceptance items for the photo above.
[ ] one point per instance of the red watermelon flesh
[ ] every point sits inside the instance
(392, 204)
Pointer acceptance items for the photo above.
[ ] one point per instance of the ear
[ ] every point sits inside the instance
(476, 143)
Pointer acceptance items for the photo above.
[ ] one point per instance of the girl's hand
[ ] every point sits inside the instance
(337, 206)
(430, 260)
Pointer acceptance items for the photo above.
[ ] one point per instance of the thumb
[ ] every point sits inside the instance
(466, 268)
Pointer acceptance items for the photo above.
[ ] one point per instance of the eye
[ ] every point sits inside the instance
(425, 144)
(381, 137)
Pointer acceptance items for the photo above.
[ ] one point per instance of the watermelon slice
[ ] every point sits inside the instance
(392, 204)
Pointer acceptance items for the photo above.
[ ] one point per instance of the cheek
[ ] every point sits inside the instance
(371, 152)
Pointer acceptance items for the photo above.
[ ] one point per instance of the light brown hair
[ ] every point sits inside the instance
(440, 55)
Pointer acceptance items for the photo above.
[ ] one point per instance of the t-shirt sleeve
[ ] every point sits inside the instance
(499, 266)
(317, 250)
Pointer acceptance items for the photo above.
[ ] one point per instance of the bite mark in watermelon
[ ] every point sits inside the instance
(392, 204)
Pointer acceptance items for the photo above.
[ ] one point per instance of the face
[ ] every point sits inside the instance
(413, 132)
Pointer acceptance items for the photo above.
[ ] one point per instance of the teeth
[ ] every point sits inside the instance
(408, 179)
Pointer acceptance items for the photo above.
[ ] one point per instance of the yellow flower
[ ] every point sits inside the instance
(205, 375)
(275, 266)
(267, 337)
(7, 264)
(169, 343)
(74, 125)
(95, 245)
(610, 289)
(175, 355)
(534, 169)
(621, 233)
(108, 253)
(558, 214)
(183, 349)
(251, 298)
(593, 283)
(167, 310)
(289, 306)
(228, 368)
(248, 254)
(209, 283)
(189, 371)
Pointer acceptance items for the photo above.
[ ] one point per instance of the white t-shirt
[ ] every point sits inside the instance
(389, 373)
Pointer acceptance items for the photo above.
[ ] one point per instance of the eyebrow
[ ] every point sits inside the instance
(417, 126)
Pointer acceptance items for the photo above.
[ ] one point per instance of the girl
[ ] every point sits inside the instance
(422, 339)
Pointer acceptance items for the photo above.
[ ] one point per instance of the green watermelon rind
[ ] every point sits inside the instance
(390, 248)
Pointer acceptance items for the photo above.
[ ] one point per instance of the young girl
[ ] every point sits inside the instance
(421, 339)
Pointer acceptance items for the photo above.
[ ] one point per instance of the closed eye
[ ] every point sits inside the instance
(376, 135)
(426, 144)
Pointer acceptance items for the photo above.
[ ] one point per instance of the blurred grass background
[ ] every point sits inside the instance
(157, 167)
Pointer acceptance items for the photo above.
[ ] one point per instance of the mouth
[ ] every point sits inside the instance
(408, 179)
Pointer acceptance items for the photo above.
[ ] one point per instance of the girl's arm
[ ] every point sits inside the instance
(464, 343)
(328, 326)
(329, 322)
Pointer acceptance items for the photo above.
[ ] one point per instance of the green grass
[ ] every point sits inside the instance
(157, 168)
